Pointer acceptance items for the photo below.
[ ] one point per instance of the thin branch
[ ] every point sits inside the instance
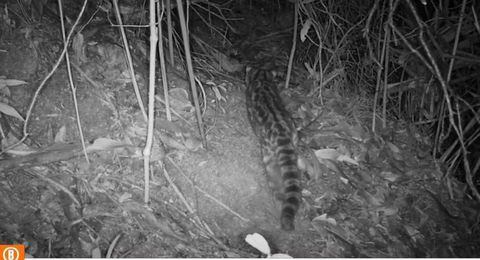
(151, 100)
(128, 56)
(294, 44)
(72, 85)
(170, 32)
(186, 45)
(163, 68)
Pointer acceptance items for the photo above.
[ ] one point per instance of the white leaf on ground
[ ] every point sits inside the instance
(389, 176)
(258, 241)
(393, 147)
(347, 159)
(324, 218)
(396, 151)
(102, 144)
(281, 256)
(96, 253)
(331, 154)
(11, 82)
(124, 197)
(60, 137)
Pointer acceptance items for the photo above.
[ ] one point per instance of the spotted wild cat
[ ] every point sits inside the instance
(276, 132)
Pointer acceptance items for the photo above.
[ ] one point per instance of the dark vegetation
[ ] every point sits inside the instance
(385, 95)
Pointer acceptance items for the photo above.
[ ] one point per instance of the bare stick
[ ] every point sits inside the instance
(366, 31)
(151, 101)
(188, 57)
(294, 45)
(385, 77)
(162, 61)
(377, 88)
(387, 61)
(72, 85)
(457, 37)
(129, 59)
(475, 18)
(170, 32)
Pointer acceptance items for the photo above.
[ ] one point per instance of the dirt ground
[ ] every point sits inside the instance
(366, 196)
